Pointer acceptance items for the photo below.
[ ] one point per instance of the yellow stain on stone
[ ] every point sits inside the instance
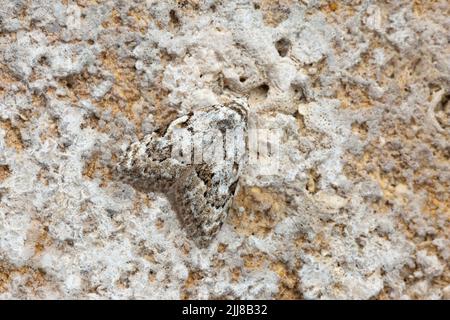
(13, 138)
(260, 211)
(288, 284)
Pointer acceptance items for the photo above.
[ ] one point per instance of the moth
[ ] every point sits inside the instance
(196, 163)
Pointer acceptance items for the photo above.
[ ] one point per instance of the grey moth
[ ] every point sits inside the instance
(196, 163)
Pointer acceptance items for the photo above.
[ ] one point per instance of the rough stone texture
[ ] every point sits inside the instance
(358, 209)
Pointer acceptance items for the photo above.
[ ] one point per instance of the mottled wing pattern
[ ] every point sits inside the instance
(201, 184)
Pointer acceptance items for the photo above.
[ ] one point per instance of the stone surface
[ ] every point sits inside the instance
(359, 208)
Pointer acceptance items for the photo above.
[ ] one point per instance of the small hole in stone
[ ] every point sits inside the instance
(264, 88)
(242, 78)
(173, 18)
(43, 61)
(300, 121)
(283, 46)
(259, 94)
(298, 93)
(256, 6)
